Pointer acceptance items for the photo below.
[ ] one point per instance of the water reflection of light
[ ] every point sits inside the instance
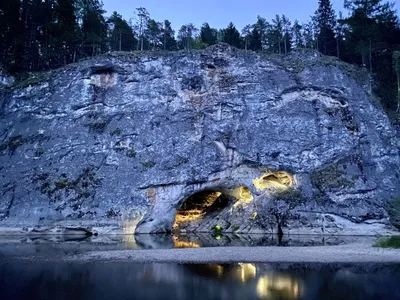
(272, 286)
(183, 244)
(247, 272)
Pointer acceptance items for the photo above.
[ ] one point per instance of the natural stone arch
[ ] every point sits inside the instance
(205, 209)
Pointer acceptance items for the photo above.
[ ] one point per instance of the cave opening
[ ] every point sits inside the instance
(199, 207)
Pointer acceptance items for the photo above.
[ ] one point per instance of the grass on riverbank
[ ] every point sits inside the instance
(392, 242)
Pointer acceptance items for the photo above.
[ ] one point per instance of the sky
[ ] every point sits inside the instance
(218, 13)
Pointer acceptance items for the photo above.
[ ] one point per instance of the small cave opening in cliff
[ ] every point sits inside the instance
(274, 180)
(198, 207)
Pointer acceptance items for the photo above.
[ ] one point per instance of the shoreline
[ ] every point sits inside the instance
(350, 253)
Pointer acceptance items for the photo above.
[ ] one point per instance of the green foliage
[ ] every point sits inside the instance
(330, 177)
(208, 35)
(231, 36)
(43, 35)
(75, 189)
(217, 228)
(12, 144)
(116, 132)
(326, 22)
(392, 242)
(394, 212)
(121, 36)
(149, 164)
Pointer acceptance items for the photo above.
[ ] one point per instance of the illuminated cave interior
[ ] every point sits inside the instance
(274, 180)
(199, 206)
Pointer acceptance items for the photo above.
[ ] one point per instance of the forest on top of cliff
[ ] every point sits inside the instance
(40, 35)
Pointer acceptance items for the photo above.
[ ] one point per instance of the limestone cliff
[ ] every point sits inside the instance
(296, 143)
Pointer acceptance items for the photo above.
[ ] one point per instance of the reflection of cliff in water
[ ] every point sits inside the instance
(122, 280)
(269, 285)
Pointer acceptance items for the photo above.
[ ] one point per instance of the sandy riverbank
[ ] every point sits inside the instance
(352, 253)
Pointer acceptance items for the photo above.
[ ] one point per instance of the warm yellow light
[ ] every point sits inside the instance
(182, 244)
(271, 286)
(247, 272)
(273, 180)
(190, 215)
(245, 196)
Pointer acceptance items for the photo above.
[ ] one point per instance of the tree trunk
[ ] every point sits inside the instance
(285, 46)
(370, 55)
(398, 93)
(120, 41)
(337, 48)
(279, 45)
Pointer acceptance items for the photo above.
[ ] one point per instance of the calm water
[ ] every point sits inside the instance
(45, 280)
(59, 245)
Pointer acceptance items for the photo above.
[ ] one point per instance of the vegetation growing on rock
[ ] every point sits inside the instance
(392, 242)
(394, 212)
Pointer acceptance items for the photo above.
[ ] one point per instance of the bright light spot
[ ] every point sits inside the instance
(188, 215)
(273, 180)
(245, 196)
(272, 286)
(182, 244)
(247, 272)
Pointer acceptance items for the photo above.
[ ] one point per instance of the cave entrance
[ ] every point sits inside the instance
(198, 208)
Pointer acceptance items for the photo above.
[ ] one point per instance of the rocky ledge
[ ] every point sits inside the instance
(214, 140)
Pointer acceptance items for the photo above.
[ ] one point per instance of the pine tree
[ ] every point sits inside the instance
(287, 33)
(276, 35)
(63, 34)
(396, 68)
(231, 36)
(298, 35)
(121, 35)
(143, 18)
(94, 29)
(263, 27)
(187, 36)
(246, 35)
(326, 22)
(169, 42)
(340, 32)
(208, 35)
(255, 43)
(154, 34)
(11, 34)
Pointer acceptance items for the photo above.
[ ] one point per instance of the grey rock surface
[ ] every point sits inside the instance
(117, 143)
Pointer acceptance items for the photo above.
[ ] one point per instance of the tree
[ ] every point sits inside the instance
(309, 35)
(11, 33)
(169, 42)
(276, 34)
(186, 36)
(373, 35)
(325, 24)
(263, 27)
(94, 29)
(154, 34)
(396, 68)
(231, 36)
(208, 35)
(121, 35)
(255, 40)
(67, 32)
(287, 34)
(246, 35)
(143, 19)
(298, 35)
(340, 32)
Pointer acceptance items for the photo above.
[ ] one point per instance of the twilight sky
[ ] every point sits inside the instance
(218, 13)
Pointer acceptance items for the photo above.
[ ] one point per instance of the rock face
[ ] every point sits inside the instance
(118, 143)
